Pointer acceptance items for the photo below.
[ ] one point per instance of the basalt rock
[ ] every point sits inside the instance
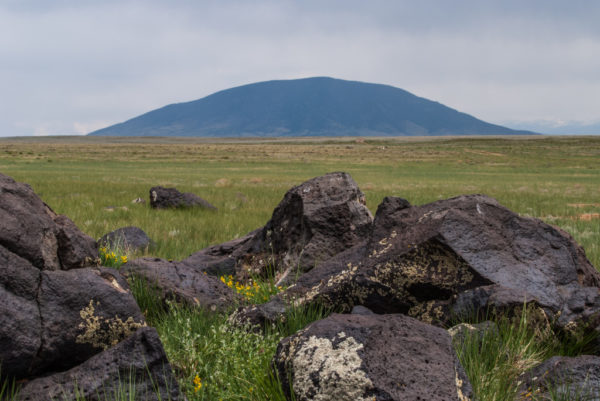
(567, 378)
(462, 256)
(45, 292)
(167, 198)
(136, 368)
(180, 282)
(315, 221)
(31, 230)
(130, 239)
(42, 328)
(367, 357)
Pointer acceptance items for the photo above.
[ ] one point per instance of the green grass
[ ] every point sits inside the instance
(94, 180)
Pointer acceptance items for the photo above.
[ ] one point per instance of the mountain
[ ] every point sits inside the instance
(318, 106)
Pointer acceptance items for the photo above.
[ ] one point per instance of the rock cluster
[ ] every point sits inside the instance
(456, 257)
(401, 274)
(58, 309)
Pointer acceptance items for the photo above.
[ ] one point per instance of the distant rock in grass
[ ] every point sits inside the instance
(129, 239)
(136, 368)
(368, 357)
(167, 198)
(315, 220)
(463, 256)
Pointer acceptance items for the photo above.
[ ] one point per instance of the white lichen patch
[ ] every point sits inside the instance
(324, 371)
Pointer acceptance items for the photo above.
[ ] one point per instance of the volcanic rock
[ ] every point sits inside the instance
(129, 239)
(31, 230)
(166, 198)
(138, 363)
(183, 283)
(452, 258)
(568, 378)
(315, 220)
(46, 324)
(366, 357)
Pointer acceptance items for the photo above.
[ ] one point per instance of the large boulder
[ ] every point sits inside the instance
(167, 198)
(182, 283)
(564, 378)
(449, 258)
(136, 368)
(31, 230)
(54, 320)
(367, 357)
(129, 239)
(315, 220)
(54, 313)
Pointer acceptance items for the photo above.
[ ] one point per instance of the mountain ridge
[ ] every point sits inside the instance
(317, 106)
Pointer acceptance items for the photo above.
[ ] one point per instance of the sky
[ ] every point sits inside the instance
(73, 66)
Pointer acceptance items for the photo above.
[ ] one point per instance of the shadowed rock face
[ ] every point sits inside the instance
(166, 198)
(365, 357)
(31, 230)
(140, 359)
(314, 221)
(44, 287)
(457, 256)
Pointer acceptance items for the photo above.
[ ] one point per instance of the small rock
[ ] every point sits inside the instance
(183, 283)
(165, 198)
(567, 378)
(128, 239)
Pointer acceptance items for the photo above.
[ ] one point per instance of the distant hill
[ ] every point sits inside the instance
(306, 107)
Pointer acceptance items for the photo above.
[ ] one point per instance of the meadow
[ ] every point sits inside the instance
(94, 180)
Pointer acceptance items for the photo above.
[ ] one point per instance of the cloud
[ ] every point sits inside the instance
(74, 64)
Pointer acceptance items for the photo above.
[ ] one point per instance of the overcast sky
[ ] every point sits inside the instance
(69, 67)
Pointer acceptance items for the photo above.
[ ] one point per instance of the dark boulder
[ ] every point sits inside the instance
(129, 239)
(566, 378)
(166, 198)
(46, 324)
(366, 357)
(315, 220)
(31, 230)
(455, 257)
(136, 368)
(183, 283)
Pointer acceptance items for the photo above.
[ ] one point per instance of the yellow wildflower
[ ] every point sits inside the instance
(123, 259)
(197, 383)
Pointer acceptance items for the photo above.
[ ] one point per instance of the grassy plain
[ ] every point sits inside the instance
(94, 180)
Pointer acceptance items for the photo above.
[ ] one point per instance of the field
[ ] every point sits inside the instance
(94, 180)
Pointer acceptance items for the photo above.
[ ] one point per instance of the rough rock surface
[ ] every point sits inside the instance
(366, 357)
(140, 359)
(44, 289)
(315, 220)
(457, 256)
(183, 283)
(566, 377)
(31, 230)
(40, 314)
(165, 198)
(130, 238)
